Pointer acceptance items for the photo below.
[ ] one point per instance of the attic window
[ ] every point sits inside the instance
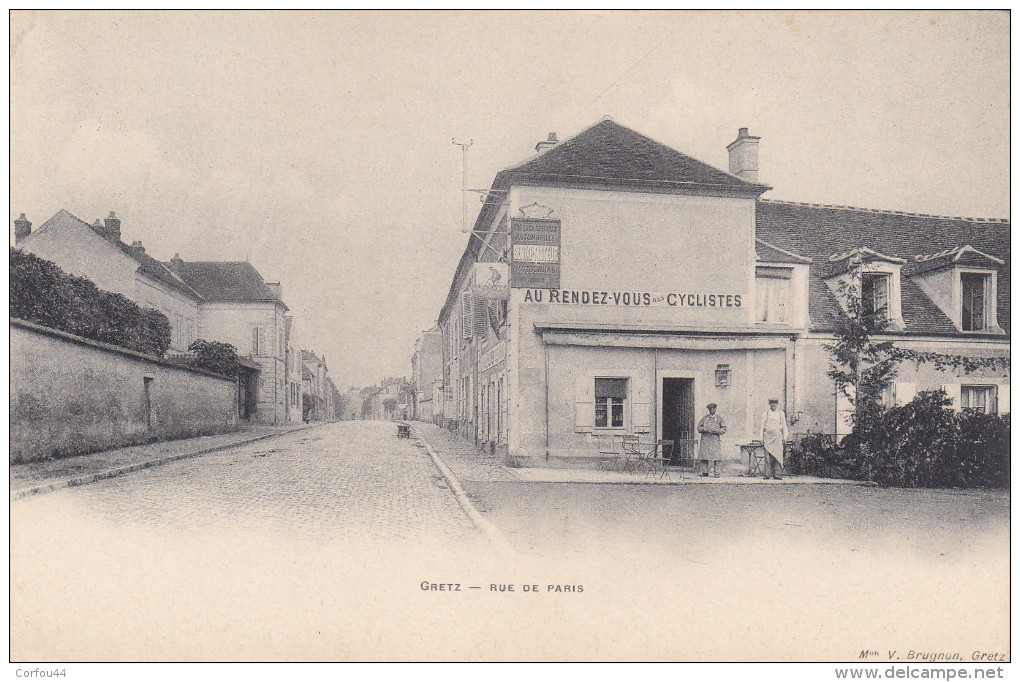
(875, 294)
(975, 301)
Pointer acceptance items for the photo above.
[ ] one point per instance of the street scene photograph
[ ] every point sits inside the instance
(510, 336)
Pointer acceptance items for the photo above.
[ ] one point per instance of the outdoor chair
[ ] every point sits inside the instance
(658, 459)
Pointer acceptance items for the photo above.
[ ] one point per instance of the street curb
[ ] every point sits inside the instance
(492, 533)
(138, 466)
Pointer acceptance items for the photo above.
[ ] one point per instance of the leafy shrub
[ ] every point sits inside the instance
(923, 444)
(215, 356)
(42, 293)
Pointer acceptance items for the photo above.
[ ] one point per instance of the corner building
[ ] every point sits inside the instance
(614, 286)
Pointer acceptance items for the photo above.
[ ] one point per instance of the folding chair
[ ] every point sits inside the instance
(660, 457)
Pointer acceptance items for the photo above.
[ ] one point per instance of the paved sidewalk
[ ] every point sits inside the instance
(471, 464)
(467, 462)
(43, 476)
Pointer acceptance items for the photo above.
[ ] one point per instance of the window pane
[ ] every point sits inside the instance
(973, 301)
(617, 411)
(601, 413)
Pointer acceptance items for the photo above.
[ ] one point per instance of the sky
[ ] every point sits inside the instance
(318, 145)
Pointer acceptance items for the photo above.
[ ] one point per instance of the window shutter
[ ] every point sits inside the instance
(844, 414)
(641, 403)
(953, 391)
(1003, 399)
(466, 315)
(480, 309)
(905, 392)
(584, 403)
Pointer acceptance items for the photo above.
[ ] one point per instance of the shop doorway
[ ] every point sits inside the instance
(678, 416)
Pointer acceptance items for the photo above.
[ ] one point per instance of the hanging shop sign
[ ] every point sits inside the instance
(672, 299)
(535, 253)
(490, 281)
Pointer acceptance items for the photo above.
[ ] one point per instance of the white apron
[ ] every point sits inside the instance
(774, 432)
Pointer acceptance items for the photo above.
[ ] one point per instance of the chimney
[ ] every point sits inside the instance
(22, 228)
(112, 228)
(137, 246)
(744, 156)
(548, 143)
(276, 289)
(176, 264)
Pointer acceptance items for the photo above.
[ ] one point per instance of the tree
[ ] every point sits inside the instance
(860, 367)
(216, 357)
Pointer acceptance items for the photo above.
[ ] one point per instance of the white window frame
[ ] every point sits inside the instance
(894, 312)
(624, 406)
(782, 287)
(991, 392)
(991, 299)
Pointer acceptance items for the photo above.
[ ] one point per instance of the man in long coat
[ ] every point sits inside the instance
(711, 427)
(774, 433)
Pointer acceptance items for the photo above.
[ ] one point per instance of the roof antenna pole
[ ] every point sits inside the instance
(464, 146)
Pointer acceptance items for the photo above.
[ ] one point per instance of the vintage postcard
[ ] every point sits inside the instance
(511, 336)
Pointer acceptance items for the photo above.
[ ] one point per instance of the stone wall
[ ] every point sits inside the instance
(71, 396)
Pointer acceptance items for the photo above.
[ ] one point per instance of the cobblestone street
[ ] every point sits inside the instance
(342, 482)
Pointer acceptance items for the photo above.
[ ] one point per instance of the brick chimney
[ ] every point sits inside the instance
(546, 144)
(137, 246)
(22, 228)
(744, 156)
(276, 288)
(176, 264)
(112, 227)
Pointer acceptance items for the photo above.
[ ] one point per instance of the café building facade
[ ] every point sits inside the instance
(614, 286)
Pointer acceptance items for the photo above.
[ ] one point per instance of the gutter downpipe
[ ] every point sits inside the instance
(545, 357)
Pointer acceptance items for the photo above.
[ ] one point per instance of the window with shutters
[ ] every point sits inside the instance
(978, 399)
(772, 294)
(976, 298)
(610, 402)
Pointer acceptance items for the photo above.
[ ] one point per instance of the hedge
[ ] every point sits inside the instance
(923, 444)
(42, 293)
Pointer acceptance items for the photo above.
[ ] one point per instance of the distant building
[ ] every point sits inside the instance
(315, 388)
(427, 376)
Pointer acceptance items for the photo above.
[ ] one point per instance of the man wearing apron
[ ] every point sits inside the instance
(774, 432)
(711, 427)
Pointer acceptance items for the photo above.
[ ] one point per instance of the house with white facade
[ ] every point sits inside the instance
(226, 301)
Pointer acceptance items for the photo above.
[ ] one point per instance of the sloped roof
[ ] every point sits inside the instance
(769, 253)
(235, 281)
(146, 263)
(819, 231)
(611, 154)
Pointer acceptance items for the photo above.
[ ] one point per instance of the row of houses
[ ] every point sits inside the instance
(225, 301)
(615, 286)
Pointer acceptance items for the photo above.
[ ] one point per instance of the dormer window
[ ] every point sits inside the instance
(875, 287)
(975, 289)
(772, 295)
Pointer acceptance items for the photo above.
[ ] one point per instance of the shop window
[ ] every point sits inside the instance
(875, 294)
(772, 294)
(975, 301)
(610, 398)
(978, 399)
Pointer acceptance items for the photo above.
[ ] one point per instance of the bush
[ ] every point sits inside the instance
(215, 356)
(923, 444)
(42, 293)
